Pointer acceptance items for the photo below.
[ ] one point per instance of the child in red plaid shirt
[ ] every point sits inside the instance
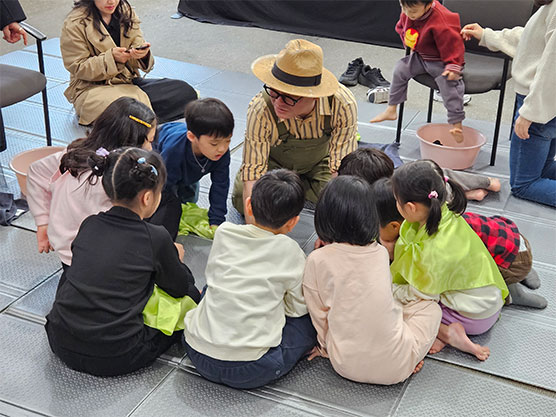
(512, 253)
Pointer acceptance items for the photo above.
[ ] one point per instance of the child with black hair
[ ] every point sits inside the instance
(96, 323)
(347, 288)
(439, 257)
(252, 326)
(190, 151)
(367, 163)
(62, 190)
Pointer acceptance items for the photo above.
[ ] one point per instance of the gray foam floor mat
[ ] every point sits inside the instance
(445, 390)
(185, 394)
(25, 221)
(40, 382)
(520, 348)
(21, 266)
(29, 117)
(36, 304)
(548, 291)
(53, 66)
(317, 382)
(6, 300)
(233, 82)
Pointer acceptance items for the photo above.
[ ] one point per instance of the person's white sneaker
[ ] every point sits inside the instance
(438, 97)
(378, 95)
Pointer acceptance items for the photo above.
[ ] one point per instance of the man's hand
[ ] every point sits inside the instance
(472, 30)
(521, 127)
(14, 32)
(42, 239)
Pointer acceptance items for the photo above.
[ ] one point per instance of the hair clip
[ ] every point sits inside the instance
(142, 160)
(136, 119)
(446, 179)
(102, 152)
(433, 194)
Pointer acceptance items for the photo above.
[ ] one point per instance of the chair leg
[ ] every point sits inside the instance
(429, 112)
(3, 143)
(499, 112)
(400, 122)
(46, 118)
(44, 96)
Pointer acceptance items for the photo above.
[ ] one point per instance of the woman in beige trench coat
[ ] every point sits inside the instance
(99, 44)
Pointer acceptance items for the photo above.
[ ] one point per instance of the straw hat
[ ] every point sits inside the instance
(296, 70)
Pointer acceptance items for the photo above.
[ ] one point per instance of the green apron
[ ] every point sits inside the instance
(308, 157)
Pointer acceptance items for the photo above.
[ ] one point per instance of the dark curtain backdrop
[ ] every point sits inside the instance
(361, 21)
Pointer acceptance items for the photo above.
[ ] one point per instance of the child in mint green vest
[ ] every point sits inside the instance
(439, 256)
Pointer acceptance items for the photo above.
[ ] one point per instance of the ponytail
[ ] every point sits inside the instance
(435, 213)
(128, 171)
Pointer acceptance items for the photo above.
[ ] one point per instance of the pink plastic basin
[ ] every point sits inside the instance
(450, 154)
(20, 163)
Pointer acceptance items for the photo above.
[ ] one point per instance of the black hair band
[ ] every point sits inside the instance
(294, 79)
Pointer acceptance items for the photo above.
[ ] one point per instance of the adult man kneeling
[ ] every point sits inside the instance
(303, 120)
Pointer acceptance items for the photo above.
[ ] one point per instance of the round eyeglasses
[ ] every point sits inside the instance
(290, 101)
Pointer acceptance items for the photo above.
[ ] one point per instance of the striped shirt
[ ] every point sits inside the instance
(262, 133)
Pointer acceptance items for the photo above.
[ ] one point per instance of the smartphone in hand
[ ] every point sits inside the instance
(138, 48)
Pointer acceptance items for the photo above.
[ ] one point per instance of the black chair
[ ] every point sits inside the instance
(18, 84)
(484, 70)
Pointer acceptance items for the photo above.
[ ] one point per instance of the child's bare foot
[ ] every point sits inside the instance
(457, 132)
(391, 113)
(437, 346)
(476, 195)
(494, 184)
(418, 367)
(458, 339)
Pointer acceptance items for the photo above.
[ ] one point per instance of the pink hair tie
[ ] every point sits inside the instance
(446, 179)
(433, 194)
(102, 152)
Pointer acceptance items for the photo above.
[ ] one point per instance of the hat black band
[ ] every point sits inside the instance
(294, 79)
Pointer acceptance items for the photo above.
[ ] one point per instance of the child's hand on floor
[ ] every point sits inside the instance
(316, 351)
(42, 239)
(451, 75)
(181, 250)
(472, 30)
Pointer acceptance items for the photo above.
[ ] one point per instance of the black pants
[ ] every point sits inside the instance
(168, 97)
(140, 355)
(168, 213)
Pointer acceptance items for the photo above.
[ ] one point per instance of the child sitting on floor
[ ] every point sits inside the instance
(62, 190)
(509, 249)
(252, 326)
(191, 150)
(433, 34)
(368, 336)
(96, 323)
(438, 256)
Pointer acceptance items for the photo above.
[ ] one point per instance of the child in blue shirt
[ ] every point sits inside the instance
(191, 150)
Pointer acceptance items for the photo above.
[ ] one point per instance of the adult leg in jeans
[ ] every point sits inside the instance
(532, 166)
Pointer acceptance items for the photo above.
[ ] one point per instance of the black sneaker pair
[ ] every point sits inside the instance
(358, 72)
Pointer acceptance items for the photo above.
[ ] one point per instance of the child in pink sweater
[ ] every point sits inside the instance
(367, 334)
(62, 190)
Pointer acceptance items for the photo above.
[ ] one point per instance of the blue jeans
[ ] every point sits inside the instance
(298, 337)
(532, 166)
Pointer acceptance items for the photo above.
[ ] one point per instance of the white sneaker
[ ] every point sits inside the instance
(378, 95)
(438, 97)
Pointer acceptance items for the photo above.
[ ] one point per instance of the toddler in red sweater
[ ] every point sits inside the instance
(433, 34)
